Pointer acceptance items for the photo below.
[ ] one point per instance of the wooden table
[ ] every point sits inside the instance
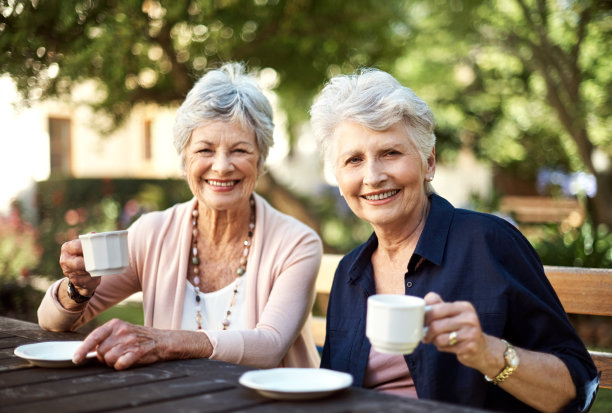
(198, 385)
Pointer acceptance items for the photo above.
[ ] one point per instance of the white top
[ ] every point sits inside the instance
(214, 307)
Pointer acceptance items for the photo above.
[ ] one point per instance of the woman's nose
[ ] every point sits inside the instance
(222, 163)
(374, 174)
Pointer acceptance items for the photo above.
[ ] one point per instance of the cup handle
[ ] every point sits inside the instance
(425, 328)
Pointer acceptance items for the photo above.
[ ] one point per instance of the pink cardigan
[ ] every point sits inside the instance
(280, 279)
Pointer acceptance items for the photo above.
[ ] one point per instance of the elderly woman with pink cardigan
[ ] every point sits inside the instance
(224, 275)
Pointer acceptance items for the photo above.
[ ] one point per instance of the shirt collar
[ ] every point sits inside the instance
(432, 241)
(431, 245)
(362, 263)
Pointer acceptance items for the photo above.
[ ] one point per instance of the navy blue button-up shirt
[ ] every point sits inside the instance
(470, 256)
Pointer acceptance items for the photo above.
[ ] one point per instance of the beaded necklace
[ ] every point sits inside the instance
(195, 260)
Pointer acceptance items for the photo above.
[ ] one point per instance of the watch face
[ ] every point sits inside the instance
(74, 294)
(511, 357)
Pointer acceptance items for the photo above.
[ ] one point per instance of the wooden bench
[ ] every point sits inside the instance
(538, 209)
(586, 291)
(581, 291)
(329, 263)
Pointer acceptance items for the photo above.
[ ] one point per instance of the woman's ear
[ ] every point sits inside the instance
(431, 165)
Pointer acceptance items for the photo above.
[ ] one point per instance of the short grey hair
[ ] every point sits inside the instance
(376, 100)
(226, 94)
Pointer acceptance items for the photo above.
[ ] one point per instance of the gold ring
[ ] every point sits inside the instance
(452, 338)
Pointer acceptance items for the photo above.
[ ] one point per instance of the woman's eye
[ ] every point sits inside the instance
(353, 160)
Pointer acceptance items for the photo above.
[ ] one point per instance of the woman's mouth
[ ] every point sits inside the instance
(381, 195)
(221, 184)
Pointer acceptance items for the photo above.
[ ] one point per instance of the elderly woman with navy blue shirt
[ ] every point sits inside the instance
(498, 337)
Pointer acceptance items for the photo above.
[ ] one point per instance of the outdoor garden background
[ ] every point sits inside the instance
(523, 86)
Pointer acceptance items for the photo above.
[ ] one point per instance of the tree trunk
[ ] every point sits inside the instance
(285, 201)
(601, 203)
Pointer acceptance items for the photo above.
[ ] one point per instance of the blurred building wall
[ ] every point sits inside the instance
(141, 148)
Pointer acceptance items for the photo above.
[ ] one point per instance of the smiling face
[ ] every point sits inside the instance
(221, 164)
(381, 174)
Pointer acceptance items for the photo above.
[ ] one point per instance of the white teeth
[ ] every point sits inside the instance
(378, 197)
(222, 183)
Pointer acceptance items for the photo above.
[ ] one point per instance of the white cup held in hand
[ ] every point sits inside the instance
(394, 323)
(105, 253)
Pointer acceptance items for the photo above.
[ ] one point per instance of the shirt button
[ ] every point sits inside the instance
(409, 284)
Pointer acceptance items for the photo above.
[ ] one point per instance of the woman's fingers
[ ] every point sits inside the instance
(120, 345)
(73, 267)
(432, 298)
(441, 318)
(445, 318)
(73, 247)
(126, 360)
(454, 327)
(91, 343)
(71, 257)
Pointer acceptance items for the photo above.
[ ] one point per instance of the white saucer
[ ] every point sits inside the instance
(50, 353)
(295, 383)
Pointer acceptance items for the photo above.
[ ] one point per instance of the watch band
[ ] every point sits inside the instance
(74, 294)
(512, 362)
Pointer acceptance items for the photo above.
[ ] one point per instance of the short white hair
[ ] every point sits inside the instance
(226, 94)
(376, 100)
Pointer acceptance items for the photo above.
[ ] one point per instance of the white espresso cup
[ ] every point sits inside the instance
(105, 253)
(394, 323)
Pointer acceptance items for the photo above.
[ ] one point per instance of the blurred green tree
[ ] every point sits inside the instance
(524, 83)
(141, 51)
(153, 51)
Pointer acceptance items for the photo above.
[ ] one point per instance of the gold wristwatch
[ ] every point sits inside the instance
(512, 362)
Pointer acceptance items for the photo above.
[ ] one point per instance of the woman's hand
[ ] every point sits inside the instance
(455, 328)
(121, 345)
(73, 267)
(542, 380)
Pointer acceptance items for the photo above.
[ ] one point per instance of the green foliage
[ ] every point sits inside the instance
(69, 207)
(340, 228)
(603, 401)
(524, 83)
(127, 311)
(585, 246)
(560, 244)
(151, 51)
(130, 311)
(20, 251)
